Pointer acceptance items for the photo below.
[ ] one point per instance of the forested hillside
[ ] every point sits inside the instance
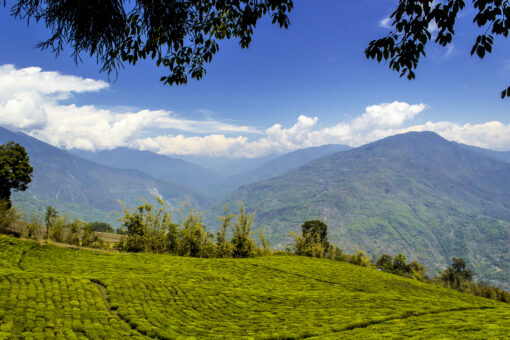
(275, 167)
(84, 189)
(414, 193)
(158, 166)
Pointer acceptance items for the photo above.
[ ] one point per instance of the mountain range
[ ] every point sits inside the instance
(87, 190)
(161, 167)
(204, 180)
(415, 193)
(274, 167)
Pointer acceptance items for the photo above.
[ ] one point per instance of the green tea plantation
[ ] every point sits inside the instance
(52, 292)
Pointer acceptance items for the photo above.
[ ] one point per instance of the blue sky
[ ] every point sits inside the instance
(305, 86)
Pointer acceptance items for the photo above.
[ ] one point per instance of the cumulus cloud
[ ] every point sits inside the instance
(31, 101)
(26, 94)
(491, 135)
(378, 121)
(304, 133)
(211, 145)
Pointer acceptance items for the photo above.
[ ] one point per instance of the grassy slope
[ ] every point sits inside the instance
(68, 293)
(416, 193)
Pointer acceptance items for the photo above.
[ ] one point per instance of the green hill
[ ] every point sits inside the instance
(414, 193)
(84, 189)
(50, 292)
(275, 167)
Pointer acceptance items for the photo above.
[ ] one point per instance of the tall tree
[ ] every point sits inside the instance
(412, 19)
(457, 273)
(180, 35)
(243, 244)
(313, 239)
(15, 171)
(316, 230)
(49, 219)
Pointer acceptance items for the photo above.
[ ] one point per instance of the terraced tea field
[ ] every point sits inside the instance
(51, 292)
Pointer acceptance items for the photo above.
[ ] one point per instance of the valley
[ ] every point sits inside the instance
(416, 193)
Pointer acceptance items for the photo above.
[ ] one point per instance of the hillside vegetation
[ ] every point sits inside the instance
(46, 291)
(84, 189)
(414, 193)
(158, 166)
(275, 167)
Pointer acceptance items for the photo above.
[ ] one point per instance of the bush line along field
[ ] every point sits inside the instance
(53, 292)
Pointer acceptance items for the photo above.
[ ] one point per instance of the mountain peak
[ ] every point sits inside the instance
(414, 137)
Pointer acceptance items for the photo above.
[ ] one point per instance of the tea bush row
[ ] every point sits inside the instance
(42, 306)
(169, 297)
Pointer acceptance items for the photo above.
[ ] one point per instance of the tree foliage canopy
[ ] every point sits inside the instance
(15, 170)
(317, 230)
(412, 20)
(313, 240)
(180, 35)
(457, 273)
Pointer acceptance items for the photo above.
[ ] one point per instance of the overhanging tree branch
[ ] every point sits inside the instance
(179, 35)
(405, 45)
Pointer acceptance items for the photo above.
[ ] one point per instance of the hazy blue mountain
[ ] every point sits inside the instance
(414, 193)
(158, 166)
(226, 166)
(500, 155)
(276, 167)
(85, 189)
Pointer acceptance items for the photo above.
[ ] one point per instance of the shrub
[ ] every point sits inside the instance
(360, 259)
(242, 243)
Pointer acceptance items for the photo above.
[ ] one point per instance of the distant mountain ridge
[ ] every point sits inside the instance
(199, 178)
(276, 167)
(499, 155)
(414, 193)
(85, 189)
(227, 166)
(158, 166)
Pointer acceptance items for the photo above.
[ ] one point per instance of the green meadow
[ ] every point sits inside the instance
(53, 292)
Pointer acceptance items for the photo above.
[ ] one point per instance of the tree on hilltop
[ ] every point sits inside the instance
(49, 220)
(457, 273)
(15, 171)
(313, 239)
(316, 230)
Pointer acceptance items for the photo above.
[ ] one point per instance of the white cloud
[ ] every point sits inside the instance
(26, 94)
(211, 145)
(378, 121)
(450, 49)
(433, 28)
(492, 135)
(386, 115)
(385, 23)
(30, 100)
(302, 134)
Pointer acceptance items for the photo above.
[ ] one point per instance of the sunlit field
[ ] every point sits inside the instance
(48, 291)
